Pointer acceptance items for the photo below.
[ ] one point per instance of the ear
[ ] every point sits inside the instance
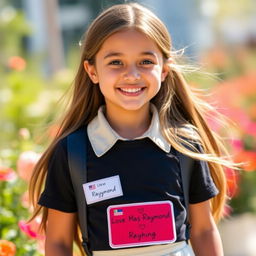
(91, 71)
(166, 68)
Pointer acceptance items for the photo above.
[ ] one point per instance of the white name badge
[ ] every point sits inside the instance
(103, 189)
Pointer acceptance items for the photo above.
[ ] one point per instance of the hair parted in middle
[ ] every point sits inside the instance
(115, 19)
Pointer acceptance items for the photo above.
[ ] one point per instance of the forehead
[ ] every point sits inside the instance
(129, 42)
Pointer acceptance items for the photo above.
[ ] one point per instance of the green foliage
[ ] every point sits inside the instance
(11, 212)
(26, 98)
(246, 199)
(13, 28)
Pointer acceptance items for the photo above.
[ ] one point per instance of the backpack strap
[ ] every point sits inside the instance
(186, 166)
(77, 154)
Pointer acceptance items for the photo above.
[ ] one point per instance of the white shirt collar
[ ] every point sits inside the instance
(103, 137)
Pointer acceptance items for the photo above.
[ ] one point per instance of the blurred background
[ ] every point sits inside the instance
(39, 54)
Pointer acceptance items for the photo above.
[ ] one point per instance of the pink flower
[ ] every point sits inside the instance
(248, 158)
(7, 248)
(250, 128)
(232, 180)
(26, 164)
(17, 63)
(41, 245)
(213, 123)
(31, 229)
(237, 145)
(241, 119)
(24, 133)
(25, 200)
(235, 100)
(227, 210)
(7, 174)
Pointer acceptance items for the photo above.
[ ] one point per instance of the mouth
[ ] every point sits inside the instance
(131, 91)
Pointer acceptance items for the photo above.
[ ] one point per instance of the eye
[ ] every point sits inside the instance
(147, 62)
(115, 62)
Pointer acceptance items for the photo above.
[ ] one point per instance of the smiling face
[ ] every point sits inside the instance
(129, 68)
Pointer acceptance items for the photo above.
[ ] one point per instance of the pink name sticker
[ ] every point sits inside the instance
(141, 224)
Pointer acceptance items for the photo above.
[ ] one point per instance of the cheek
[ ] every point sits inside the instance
(104, 89)
(108, 75)
(154, 74)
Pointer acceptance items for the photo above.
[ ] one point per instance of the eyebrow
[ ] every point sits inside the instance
(118, 54)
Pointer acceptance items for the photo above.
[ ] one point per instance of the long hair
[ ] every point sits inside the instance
(181, 112)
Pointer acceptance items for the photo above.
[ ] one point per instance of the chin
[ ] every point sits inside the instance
(134, 107)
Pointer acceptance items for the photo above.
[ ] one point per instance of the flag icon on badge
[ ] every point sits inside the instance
(92, 187)
(118, 212)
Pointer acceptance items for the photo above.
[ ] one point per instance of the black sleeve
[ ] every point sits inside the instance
(59, 193)
(202, 186)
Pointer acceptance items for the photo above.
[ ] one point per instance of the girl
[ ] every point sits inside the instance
(137, 112)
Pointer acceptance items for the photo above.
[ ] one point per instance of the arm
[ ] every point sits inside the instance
(205, 238)
(60, 233)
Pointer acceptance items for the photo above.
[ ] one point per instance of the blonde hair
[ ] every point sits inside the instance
(180, 110)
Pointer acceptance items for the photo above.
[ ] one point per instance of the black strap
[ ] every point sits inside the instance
(77, 153)
(186, 166)
(76, 148)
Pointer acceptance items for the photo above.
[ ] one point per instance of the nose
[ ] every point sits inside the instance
(132, 74)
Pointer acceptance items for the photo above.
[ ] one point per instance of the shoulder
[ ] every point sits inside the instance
(58, 156)
(188, 132)
(61, 144)
(70, 142)
(80, 131)
(60, 148)
(189, 139)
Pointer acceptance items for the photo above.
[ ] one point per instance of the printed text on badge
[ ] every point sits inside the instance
(102, 189)
(139, 224)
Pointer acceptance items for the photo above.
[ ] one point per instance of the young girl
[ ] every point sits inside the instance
(137, 112)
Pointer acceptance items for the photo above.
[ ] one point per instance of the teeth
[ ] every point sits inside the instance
(130, 90)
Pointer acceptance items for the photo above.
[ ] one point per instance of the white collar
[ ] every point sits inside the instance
(103, 137)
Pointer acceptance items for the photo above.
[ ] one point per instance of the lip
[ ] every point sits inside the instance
(130, 85)
(136, 93)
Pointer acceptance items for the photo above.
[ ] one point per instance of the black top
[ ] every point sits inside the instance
(147, 174)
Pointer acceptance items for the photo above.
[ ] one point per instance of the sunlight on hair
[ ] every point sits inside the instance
(182, 112)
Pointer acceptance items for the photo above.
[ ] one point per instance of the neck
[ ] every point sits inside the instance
(129, 124)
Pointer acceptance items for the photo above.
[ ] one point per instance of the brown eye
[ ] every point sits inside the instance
(115, 62)
(147, 62)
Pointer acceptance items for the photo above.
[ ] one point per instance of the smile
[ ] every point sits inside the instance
(131, 91)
